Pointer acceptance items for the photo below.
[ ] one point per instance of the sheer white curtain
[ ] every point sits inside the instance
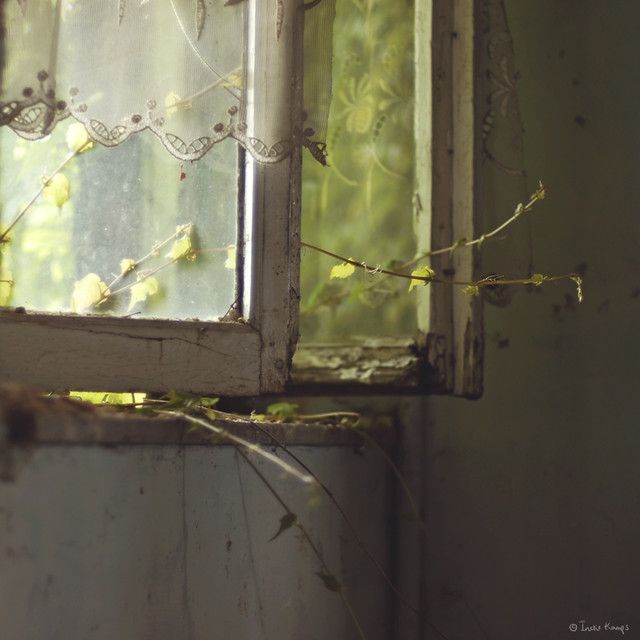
(175, 67)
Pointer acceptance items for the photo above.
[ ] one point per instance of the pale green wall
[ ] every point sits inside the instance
(534, 491)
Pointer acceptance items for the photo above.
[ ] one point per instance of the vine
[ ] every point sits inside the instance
(91, 293)
(424, 275)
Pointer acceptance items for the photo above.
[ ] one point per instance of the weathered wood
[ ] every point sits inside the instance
(228, 359)
(385, 365)
(57, 352)
(434, 176)
(467, 310)
(450, 321)
(29, 419)
(273, 191)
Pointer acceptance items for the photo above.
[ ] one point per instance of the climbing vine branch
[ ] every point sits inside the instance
(426, 275)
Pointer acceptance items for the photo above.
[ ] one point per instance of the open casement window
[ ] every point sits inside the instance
(201, 77)
(441, 352)
(243, 340)
(450, 322)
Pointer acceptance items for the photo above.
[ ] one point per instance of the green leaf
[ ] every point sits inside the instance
(177, 400)
(87, 292)
(341, 271)
(180, 248)
(286, 522)
(282, 410)
(126, 265)
(230, 262)
(329, 581)
(142, 290)
(56, 191)
(421, 272)
(537, 279)
(471, 290)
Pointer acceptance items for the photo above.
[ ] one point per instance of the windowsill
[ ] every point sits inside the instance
(392, 366)
(28, 419)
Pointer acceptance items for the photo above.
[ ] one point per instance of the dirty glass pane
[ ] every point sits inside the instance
(116, 207)
(361, 205)
(135, 228)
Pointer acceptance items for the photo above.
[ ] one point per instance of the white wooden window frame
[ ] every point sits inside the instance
(450, 322)
(247, 357)
(252, 357)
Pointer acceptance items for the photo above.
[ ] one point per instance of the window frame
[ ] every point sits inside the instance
(247, 355)
(254, 356)
(446, 356)
(450, 323)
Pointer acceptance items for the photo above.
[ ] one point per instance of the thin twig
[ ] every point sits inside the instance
(521, 209)
(401, 480)
(142, 278)
(484, 282)
(308, 539)
(249, 446)
(342, 512)
(180, 230)
(42, 187)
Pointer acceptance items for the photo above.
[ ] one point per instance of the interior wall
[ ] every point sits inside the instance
(175, 543)
(533, 492)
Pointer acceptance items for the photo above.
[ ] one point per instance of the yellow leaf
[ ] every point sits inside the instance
(230, 262)
(88, 292)
(104, 397)
(173, 102)
(6, 288)
(421, 272)
(180, 248)
(234, 79)
(78, 139)
(142, 290)
(341, 271)
(578, 281)
(537, 279)
(3, 231)
(471, 290)
(126, 265)
(56, 192)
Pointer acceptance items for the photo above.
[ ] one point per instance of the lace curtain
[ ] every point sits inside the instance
(174, 67)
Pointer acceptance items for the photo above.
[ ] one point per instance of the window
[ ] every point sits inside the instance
(248, 352)
(435, 346)
(244, 337)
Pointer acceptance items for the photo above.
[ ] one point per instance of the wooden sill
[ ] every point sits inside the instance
(380, 365)
(27, 418)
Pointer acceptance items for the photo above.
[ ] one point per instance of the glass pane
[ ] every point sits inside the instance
(125, 230)
(361, 206)
(123, 204)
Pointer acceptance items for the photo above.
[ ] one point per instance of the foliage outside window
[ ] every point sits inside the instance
(361, 205)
